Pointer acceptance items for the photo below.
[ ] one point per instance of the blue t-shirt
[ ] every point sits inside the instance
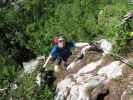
(62, 52)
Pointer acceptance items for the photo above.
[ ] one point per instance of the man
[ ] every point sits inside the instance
(62, 51)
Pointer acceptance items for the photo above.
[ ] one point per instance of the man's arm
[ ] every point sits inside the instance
(48, 59)
(84, 46)
(80, 44)
(84, 49)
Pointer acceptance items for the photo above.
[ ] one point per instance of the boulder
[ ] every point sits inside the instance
(105, 45)
(30, 66)
(90, 67)
(113, 70)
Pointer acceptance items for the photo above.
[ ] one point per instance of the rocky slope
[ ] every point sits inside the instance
(96, 77)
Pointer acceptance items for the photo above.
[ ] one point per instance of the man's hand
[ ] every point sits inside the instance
(83, 51)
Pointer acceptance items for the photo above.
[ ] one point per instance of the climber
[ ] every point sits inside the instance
(61, 51)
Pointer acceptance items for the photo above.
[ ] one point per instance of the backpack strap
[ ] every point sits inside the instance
(58, 50)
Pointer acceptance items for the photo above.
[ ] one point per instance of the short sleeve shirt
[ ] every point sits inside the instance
(56, 51)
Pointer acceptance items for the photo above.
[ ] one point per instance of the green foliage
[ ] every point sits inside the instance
(73, 19)
(40, 39)
(27, 88)
(110, 19)
(6, 73)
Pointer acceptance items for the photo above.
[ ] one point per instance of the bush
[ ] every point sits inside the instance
(110, 19)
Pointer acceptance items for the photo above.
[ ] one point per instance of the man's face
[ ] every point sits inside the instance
(61, 43)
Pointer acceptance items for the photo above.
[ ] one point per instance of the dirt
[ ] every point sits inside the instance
(118, 87)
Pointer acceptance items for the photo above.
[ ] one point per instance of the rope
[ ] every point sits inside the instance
(122, 59)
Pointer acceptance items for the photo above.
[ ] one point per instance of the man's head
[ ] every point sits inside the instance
(61, 42)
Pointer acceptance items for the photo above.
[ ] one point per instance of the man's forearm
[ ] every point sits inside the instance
(47, 61)
(80, 44)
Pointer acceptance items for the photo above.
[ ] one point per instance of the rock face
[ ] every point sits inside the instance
(45, 77)
(127, 94)
(97, 80)
(112, 70)
(105, 45)
(79, 86)
(90, 67)
(30, 66)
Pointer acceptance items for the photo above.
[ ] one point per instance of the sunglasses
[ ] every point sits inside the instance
(60, 41)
